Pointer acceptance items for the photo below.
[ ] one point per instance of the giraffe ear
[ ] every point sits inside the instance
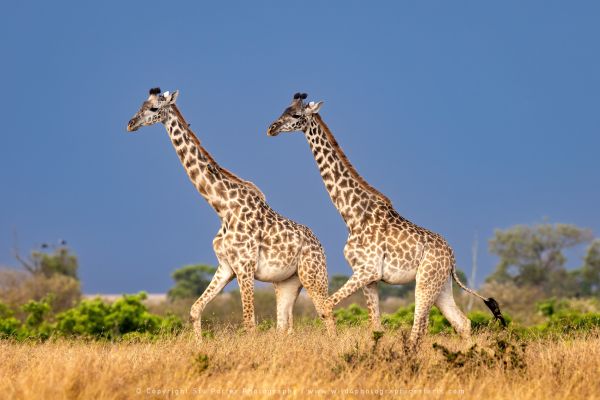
(171, 98)
(313, 108)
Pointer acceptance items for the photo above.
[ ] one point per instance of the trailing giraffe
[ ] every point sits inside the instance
(254, 241)
(381, 245)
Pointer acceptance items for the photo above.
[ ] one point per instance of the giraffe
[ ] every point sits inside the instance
(381, 245)
(254, 241)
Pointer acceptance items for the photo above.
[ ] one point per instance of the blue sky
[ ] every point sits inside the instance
(470, 116)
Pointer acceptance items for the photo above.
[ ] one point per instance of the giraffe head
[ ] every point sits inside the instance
(153, 110)
(296, 117)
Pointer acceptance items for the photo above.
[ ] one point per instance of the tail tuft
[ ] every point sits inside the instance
(495, 308)
(490, 302)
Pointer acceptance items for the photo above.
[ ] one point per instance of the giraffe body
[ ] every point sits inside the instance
(381, 245)
(254, 241)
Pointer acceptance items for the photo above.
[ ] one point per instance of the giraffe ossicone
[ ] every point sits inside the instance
(254, 241)
(381, 245)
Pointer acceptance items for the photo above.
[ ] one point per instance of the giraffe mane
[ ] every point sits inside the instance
(347, 163)
(251, 186)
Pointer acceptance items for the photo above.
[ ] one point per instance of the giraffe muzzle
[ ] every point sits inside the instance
(272, 131)
(131, 126)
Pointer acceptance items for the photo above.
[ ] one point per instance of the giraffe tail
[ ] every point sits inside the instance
(491, 303)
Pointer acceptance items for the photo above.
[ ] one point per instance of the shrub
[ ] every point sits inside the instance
(94, 319)
(129, 314)
(404, 317)
(9, 325)
(562, 316)
(87, 319)
(37, 311)
(351, 316)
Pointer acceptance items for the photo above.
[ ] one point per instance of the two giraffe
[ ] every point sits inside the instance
(255, 242)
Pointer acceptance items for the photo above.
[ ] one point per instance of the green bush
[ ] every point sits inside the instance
(94, 319)
(5, 311)
(86, 319)
(563, 318)
(404, 317)
(128, 314)
(569, 321)
(37, 311)
(9, 325)
(354, 315)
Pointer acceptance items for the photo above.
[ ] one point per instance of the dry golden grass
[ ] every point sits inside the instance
(304, 365)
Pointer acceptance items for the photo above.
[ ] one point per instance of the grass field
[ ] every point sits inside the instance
(303, 365)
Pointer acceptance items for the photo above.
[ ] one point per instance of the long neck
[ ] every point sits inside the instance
(350, 193)
(217, 185)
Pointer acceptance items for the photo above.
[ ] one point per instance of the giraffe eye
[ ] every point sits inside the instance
(296, 115)
(154, 109)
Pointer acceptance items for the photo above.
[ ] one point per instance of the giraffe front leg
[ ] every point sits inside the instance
(246, 283)
(222, 277)
(359, 279)
(366, 267)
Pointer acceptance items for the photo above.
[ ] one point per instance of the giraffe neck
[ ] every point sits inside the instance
(218, 186)
(350, 193)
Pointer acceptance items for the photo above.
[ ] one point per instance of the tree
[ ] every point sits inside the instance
(336, 282)
(190, 281)
(533, 256)
(387, 290)
(61, 261)
(589, 275)
(50, 271)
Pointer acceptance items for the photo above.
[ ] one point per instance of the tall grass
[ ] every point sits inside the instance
(305, 364)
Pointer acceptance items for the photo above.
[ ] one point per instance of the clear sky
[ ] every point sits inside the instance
(470, 116)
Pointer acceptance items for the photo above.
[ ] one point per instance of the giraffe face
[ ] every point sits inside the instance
(153, 110)
(296, 117)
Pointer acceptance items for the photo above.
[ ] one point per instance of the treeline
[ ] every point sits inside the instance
(44, 297)
(534, 256)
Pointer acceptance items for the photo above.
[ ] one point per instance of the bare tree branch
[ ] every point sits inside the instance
(24, 263)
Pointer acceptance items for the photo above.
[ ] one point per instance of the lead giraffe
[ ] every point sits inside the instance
(254, 241)
(381, 245)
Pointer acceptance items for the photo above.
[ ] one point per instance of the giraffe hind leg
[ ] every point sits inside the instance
(286, 293)
(431, 276)
(445, 302)
(312, 271)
